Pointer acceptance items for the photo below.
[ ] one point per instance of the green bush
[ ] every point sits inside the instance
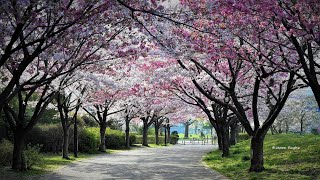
(174, 133)
(174, 138)
(314, 131)
(133, 138)
(88, 140)
(49, 136)
(139, 130)
(6, 149)
(151, 139)
(243, 137)
(89, 121)
(32, 155)
(245, 158)
(114, 138)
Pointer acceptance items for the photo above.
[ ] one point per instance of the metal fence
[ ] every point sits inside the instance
(197, 141)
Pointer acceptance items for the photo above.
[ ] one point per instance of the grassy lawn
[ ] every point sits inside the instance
(49, 162)
(303, 163)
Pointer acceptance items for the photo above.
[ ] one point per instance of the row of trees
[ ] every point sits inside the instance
(232, 61)
(239, 58)
(75, 54)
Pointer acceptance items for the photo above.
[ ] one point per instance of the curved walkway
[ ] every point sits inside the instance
(172, 162)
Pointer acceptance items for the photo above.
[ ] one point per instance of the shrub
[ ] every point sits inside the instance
(151, 139)
(243, 137)
(174, 138)
(114, 138)
(89, 121)
(314, 131)
(133, 138)
(32, 155)
(237, 151)
(49, 136)
(245, 158)
(174, 133)
(6, 149)
(88, 140)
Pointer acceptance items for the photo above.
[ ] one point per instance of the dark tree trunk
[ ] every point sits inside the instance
(156, 131)
(219, 137)
(145, 134)
(272, 130)
(102, 146)
(186, 131)
(287, 126)
(18, 158)
(232, 137)
(225, 140)
(127, 134)
(316, 89)
(75, 138)
(168, 131)
(237, 133)
(257, 153)
(233, 134)
(65, 148)
(301, 123)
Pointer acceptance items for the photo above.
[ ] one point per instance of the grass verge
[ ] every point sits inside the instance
(286, 156)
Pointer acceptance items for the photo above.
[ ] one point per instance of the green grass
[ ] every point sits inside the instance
(49, 162)
(303, 163)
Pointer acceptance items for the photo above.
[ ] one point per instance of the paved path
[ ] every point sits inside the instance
(173, 162)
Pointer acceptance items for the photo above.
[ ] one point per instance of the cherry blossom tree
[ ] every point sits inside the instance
(103, 105)
(43, 41)
(69, 100)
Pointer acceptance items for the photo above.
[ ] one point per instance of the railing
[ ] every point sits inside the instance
(202, 141)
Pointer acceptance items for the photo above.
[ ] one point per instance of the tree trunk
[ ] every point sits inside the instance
(272, 129)
(127, 134)
(287, 127)
(75, 138)
(219, 137)
(18, 157)
(257, 153)
(237, 133)
(315, 87)
(65, 148)
(225, 140)
(102, 146)
(301, 124)
(156, 131)
(186, 130)
(145, 134)
(168, 131)
(233, 134)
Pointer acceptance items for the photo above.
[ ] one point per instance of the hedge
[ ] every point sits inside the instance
(50, 137)
(151, 139)
(243, 137)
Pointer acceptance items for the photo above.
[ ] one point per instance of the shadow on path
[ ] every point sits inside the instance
(173, 162)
